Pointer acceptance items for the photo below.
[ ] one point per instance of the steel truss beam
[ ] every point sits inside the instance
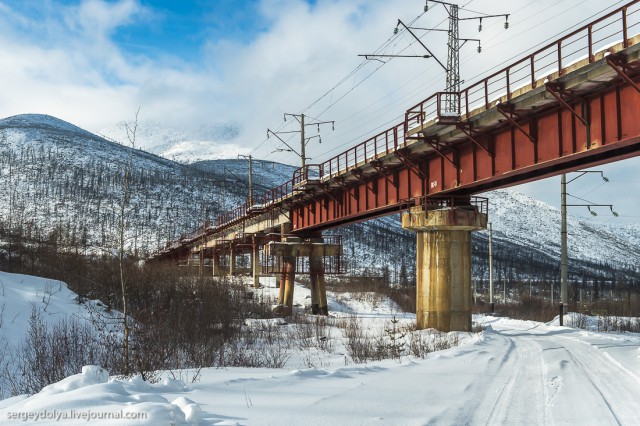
(361, 178)
(340, 180)
(402, 155)
(437, 147)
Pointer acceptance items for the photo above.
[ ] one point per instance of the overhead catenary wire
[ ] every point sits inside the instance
(366, 115)
(399, 117)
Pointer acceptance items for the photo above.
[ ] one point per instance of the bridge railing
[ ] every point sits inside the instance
(232, 215)
(277, 194)
(377, 146)
(478, 204)
(308, 172)
(531, 71)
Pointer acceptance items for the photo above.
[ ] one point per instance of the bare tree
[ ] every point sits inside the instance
(132, 129)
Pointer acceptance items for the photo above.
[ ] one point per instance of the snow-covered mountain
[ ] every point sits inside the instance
(536, 225)
(63, 182)
(184, 146)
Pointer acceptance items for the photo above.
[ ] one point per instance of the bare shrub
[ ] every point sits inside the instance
(360, 347)
(423, 342)
(51, 353)
(263, 347)
(577, 320)
(613, 324)
(529, 308)
(312, 332)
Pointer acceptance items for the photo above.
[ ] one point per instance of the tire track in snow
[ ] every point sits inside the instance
(524, 391)
(597, 388)
(618, 389)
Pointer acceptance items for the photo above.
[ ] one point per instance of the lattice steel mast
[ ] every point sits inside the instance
(453, 61)
(452, 68)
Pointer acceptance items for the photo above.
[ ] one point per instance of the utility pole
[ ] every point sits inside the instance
(563, 245)
(563, 231)
(248, 157)
(491, 268)
(303, 139)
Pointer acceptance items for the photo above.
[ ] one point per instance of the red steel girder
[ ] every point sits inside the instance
(340, 180)
(557, 92)
(467, 129)
(325, 189)
(508, 112)
(620, 66)
(437, 147)
(381, 169)
(402, 155)
(359, 174)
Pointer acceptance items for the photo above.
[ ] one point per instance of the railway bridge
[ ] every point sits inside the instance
(572, 104)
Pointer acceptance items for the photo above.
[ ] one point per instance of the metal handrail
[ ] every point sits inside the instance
(535, 67)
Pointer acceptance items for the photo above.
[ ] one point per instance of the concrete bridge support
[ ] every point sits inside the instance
(287, 251)
(443, 268)
(215, 263)
(318, 289)
(232, 260)
(255, 263)
(288, 282)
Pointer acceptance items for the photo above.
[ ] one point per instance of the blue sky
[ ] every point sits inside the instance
(163, 28)
(193, 63)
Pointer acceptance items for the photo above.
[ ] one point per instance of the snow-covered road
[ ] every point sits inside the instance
(528, 373)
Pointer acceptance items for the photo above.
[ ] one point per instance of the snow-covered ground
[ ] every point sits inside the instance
(512, 372)
(19, 293)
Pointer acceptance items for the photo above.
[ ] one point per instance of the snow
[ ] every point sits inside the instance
(512, 372)
(19, 293)
(185, 146)
(587, 240)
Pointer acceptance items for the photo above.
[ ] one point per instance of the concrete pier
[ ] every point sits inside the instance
(215, 263)
(443, 265)
(288, 282)
(287, 252)
(318, 289)
(232, 260)
(255, 263)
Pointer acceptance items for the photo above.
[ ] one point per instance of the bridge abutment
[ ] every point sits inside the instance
(443, 264)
